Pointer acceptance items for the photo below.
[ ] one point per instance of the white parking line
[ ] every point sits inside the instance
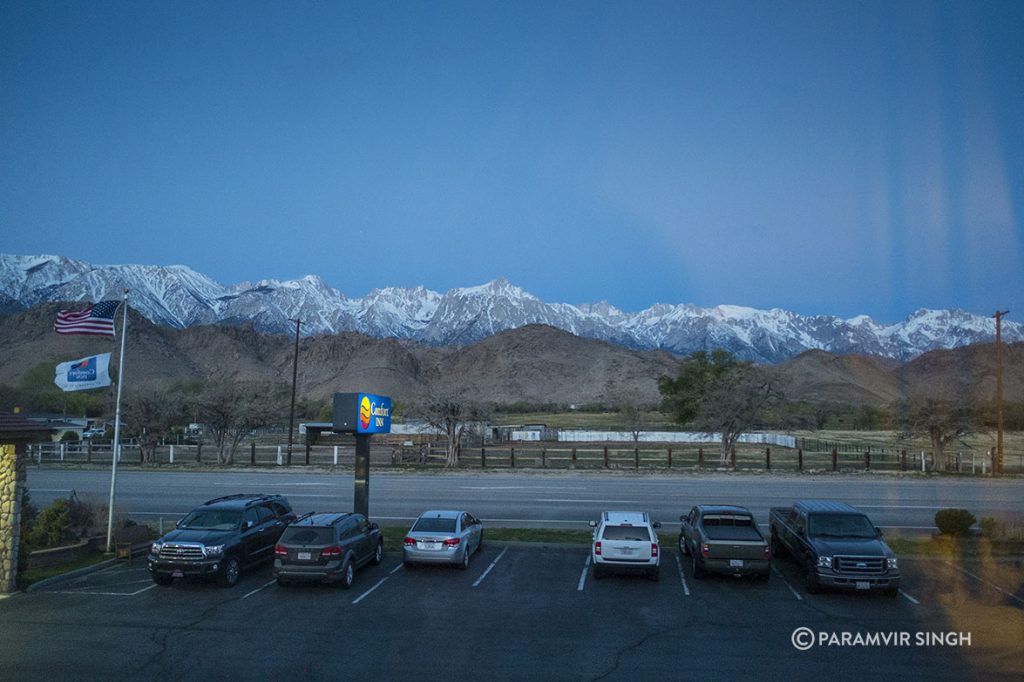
(992, 585)
(909, 597)
(396, 569)
(682, 578)
(481, 578)
(263, 587)
(366, 594)
(105, 594)
(583, 575)
(786, 583)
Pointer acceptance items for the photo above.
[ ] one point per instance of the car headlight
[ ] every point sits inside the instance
(891, 563)
(214, 550)
(824, 562)
(156, 547)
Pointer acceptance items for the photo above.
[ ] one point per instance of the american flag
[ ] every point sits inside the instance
(97, 319)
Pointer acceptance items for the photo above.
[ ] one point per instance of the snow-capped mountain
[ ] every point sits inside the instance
(177, 296)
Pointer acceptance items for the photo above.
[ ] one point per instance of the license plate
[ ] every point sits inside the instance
(430, 545)
(626, 550)
(177, 573)
(736, 563)
(304, 556)
(863, 585)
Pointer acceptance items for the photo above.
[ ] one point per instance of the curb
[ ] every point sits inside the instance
(71, 575)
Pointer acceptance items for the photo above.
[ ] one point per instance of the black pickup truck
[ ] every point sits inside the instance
(836, 545)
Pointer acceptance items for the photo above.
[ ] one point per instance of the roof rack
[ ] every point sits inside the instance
(241, 496)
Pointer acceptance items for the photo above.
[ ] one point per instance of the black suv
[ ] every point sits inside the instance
(220, 538)
(327, 547)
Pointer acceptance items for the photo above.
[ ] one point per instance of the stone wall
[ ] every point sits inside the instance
(12, 490)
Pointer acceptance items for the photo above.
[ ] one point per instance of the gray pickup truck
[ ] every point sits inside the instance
(724, 539)
(836, 545)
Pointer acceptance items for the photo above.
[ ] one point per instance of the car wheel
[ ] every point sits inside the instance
(230, 572)
(378, 554)
(683, 549)
(161, 579)
(698, 567)
(813, 586)
(465, 559)
(777, 548)
(348, 575)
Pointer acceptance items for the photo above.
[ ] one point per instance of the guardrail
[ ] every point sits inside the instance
(544, 456)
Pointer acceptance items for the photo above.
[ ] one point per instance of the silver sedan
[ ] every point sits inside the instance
(443, 537)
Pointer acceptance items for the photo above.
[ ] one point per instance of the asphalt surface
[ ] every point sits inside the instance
(540, 499)
(521, 612)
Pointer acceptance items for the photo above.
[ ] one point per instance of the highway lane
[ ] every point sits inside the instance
(536, 499)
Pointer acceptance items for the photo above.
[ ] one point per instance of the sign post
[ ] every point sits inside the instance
(362, 414)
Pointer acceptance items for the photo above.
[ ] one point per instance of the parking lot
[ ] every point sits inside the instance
(523, 611)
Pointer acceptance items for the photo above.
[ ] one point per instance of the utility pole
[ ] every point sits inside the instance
(999, 390)
(295, 376)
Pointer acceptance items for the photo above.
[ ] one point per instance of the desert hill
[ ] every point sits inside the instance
(535, 363)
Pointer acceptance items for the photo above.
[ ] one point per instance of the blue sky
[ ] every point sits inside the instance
(824, 157)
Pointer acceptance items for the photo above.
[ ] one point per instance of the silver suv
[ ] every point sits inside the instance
(625, 541)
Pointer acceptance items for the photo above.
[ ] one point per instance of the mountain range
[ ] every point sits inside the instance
(181, 298)
(535, 364)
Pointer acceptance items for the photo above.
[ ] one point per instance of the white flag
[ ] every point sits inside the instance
(84, 373)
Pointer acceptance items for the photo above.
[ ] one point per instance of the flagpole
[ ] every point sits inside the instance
(117, 430)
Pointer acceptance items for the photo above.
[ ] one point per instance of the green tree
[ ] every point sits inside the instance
(717, 394)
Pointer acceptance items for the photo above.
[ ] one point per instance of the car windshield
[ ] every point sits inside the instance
(212, 519)
(840, 526)
(297, 535)
(434, 525)
(626, 533)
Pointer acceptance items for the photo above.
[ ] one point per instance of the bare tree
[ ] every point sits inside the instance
(450, 415)
(940, 420)
(150, 413)
(634, 417)
(232, 410)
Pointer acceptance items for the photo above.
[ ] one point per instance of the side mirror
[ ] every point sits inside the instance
(879, 531)
(592, 524)
(246, 525)
(683, 518)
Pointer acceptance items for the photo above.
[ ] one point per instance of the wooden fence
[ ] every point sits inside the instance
(591, 456)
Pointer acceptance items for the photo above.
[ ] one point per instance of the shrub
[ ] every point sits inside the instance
(51, 525)
(992, 528)
(954, 521)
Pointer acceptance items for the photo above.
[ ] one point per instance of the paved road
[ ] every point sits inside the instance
(564, 499)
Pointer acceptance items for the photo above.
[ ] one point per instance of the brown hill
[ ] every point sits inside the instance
(536, 364)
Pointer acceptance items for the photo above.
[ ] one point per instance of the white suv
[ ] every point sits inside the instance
(625, 541)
